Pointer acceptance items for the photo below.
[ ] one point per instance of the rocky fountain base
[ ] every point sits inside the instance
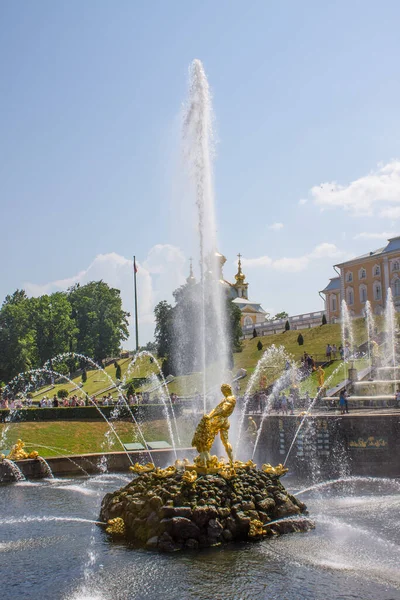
(174, 508)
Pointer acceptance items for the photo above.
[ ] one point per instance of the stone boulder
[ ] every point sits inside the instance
(173, 513)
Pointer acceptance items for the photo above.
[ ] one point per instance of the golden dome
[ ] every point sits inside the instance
(240, 277)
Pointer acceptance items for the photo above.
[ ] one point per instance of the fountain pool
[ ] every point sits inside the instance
(352, 553)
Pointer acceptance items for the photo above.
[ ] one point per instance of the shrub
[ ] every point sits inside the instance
(118, 373)
(324, 321)
(63, 393)
(254, 333)
(300, 339)
(287, 326)
(259, 345)
(130, 391)
(84, 376)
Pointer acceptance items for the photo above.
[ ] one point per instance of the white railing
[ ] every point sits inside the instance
(303, 321)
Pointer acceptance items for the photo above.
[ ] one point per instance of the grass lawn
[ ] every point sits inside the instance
(315, 342)
(334, 374)
(81, 437)
(97, 381)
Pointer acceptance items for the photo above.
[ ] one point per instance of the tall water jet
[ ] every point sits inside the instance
(390, 329)
(274, 358)
(198, 146)
(370, 331)
(347, 336)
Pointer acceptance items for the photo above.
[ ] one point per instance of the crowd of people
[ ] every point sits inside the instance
(73, 400)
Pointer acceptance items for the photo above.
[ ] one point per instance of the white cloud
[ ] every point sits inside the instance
(303, 201)
(325, 250)
(373, 236)
(162, 271)
(362, 196)
(276, 226)
(294, 264)
(391, 212)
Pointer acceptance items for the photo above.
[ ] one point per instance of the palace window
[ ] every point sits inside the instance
(396, 287)
(248, 321)
(349, 277)
(350, 296)
(377, 270)
(362, 273)
(363, 294)
(333, 303)
(377, 291)
(395, 266)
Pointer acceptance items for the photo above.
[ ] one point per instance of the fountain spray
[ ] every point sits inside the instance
(198, 146)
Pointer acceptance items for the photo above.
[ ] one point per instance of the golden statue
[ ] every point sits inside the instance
(279, 470)
(209, 427)
(321, 376)
(137, 468)
(116, 527)
(17, 452)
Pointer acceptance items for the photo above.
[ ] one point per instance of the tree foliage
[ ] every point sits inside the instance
(87, 319)
(101, 322)
(281, 315)
(118, 373)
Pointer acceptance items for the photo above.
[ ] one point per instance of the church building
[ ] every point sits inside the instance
(252, 312)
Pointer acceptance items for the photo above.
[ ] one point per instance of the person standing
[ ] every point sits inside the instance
(342, 403)
(334, 351)
(346, 402)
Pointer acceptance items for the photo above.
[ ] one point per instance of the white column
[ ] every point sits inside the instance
(385, 279)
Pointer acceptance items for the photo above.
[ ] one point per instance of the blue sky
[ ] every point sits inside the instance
(306, 97)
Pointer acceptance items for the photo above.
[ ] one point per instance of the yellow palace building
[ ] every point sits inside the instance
(366, 277)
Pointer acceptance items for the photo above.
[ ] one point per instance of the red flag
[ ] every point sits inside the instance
(134, 265)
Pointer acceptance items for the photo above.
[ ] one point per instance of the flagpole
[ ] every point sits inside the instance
(136, 305)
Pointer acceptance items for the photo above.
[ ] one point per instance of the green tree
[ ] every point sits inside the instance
(118, 373)
(300, 339)
(53, 325)
(255, 333)
(281, 315)
(17, 336)
(163, 332)
(287, 326)
(63, 393)
(101, 322)
(150, 347)
(84, 376)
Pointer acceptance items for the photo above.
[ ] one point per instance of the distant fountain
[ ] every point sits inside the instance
(282, 383)
(370, 330)
(276, 358)
(164, 401)
(347, 337)
(390, 330)
(309, 409)
(198, 151)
